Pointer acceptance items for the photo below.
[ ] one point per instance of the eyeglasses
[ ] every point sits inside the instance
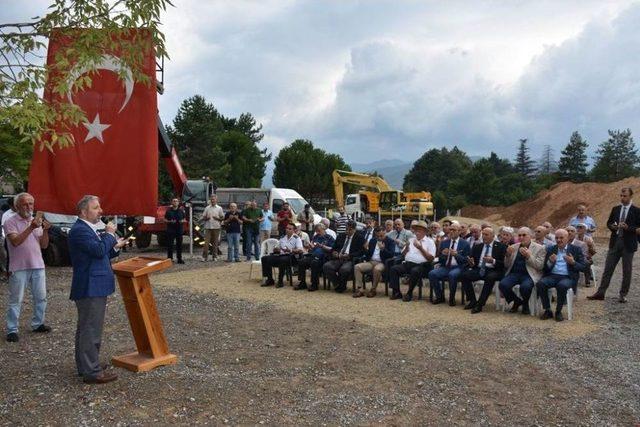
(522, 235)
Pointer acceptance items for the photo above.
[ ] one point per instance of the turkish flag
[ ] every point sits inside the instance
(115, 154)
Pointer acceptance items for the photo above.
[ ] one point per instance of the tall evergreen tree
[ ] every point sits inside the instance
(547, 164)
(523, 164)
(617, 158)
(573, 161)
(436, 168)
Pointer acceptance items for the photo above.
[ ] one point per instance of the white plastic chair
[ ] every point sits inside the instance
(570, 299)
(496, 290)
(266, 248)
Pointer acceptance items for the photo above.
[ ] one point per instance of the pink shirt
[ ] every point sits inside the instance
(27, 255)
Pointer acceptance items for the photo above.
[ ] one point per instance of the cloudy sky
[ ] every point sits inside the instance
(375, 79)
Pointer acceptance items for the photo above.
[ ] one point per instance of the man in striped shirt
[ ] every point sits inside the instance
(341, 221)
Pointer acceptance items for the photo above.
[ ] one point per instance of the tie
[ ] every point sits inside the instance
(623, 217)
(451, 248)
(397, 246)
(346, 245)
(482, 263)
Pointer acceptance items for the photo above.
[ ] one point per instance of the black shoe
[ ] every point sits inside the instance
(470, 305)
(341, 289)
(313, 288)
(559, 317)
(13, 337)
(279, 285)
(42, 328)
(300, 286)
(452, 302)
(525, 309)
(596, 297)
(476, 309)
(547, 315)
(180, 261)
(395, 295)
(438, 301)
(407, 297)
(622, 299)
(515, 307)
(269, 282)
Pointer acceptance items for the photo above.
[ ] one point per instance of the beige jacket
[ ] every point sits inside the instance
(535, 263)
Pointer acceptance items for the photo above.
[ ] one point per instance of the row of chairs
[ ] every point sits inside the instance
(535, 305)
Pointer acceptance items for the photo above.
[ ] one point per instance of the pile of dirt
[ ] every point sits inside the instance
(558, 205)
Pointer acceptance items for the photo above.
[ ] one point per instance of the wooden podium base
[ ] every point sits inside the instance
(137, 362)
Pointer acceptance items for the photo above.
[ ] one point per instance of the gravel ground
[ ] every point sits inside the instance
(251, 355)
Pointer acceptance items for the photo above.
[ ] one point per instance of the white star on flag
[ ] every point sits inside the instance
(95, 129)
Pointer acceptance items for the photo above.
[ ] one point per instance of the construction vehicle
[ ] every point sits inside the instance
(381, 200)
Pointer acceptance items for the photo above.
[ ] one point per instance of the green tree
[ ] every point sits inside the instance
(106, 27)
(435, 169)
(196, 132)
(617, 158)
(523, 163)
(245, 159)
(15, 157)
(307, 169)
(573, 160)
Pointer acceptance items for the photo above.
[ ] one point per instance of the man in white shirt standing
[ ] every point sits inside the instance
(418, 254)
(212, 216)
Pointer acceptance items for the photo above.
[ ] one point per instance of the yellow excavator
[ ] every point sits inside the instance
(381, 199)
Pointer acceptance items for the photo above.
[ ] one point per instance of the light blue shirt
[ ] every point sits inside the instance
(267, 215)
(588, 221)
(561, 266)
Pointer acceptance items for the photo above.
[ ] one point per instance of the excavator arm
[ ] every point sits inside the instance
(340, 178)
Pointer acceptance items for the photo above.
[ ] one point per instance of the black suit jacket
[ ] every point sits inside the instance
(356, 250)
(629, 235)
(386, 253)
(498, 251)
(574, 270)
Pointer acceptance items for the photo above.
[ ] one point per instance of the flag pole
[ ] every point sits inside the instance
(191, 230)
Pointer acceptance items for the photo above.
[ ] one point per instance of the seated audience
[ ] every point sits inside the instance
(540, 236)
(562, 265)
(474, 235)
(418, 255)
(380, 249)
(550, 232)
(368, 232)
(388, 226)
(329, 231)
(284, 255)
(583, 218)
(348, 246)
(523, 262)
(453, 257)
(505, 235)
(581, 235)
(487, 264)
(320, 248)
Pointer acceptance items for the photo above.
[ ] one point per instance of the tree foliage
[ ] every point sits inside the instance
(547, 164)
(106, 28)
(212, 145)
(573, 160)
(307, 169)
(617, 158)
(15, 157)
(523, 163)
(435, 168)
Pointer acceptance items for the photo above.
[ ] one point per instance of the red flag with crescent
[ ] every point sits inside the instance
(115, 153)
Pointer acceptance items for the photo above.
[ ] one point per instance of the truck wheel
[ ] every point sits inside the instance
(162, 239)
(52, 255)
(143, 239)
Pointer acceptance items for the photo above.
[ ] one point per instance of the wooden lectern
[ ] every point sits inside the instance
(133, 278)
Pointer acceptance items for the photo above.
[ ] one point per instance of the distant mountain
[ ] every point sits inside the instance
(392, 170)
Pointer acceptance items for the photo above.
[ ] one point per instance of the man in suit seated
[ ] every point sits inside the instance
(380, 249)
(487, 264)
(321, 245)
(454, 253)
(562, 264)
(348, 247)
(524, 262)
(418, 255)
(289, 247)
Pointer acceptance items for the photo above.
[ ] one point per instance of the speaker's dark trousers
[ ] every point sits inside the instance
(91, 313)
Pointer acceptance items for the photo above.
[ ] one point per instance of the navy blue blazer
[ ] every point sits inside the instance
(463, 248)
(90, 255)
(574, 269)
(386, 253)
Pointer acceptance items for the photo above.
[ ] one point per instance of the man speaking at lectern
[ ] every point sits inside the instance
(92, 283)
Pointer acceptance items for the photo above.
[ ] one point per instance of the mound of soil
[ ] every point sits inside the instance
(558, 205)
